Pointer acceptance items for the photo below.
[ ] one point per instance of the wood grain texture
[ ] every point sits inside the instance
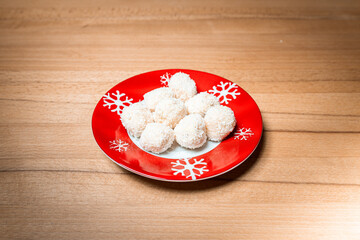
(298, 59)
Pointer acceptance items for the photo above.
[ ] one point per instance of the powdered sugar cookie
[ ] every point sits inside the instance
(201, 102)
(153, 97)
(182, 86)
(135, 118)
(157, 138)
(169, 112)
(220, 121)
(190, 132)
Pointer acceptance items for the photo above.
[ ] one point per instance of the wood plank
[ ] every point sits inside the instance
(306, 157)
(143, 9)
(213, 34)
(32, 111)
(132, 59)
(173, 29)
(38, 89)
(81, 90)
(83, 205)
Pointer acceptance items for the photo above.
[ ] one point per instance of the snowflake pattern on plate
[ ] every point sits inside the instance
(188, 169)
(119, 145)
(243, 134)
(164, 79)
(116, 101)
(225, 92)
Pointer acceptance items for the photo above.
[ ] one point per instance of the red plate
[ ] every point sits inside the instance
(177, 164)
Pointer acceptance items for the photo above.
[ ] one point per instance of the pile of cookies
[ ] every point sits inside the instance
(177, 113)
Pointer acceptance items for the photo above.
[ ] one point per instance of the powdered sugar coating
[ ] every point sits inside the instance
(153, 97)
(201, 102)
(169, 112)
(135, 118)
(157, 138)
(191, 131)
(182, 86)
(220, 121)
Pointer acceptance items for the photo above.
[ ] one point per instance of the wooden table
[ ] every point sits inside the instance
(300, 60)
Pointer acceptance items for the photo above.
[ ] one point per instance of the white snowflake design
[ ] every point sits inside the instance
(225, 92)
(164, 79)
(119, 145)
(116, 101)
(195, 169)
(243, 134)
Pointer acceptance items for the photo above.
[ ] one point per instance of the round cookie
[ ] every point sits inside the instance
(157, 138)
(191, 132)
(135, 118)
(220, 121)
(153, 97)
(169, 112)
(201, 102)
(182, 86)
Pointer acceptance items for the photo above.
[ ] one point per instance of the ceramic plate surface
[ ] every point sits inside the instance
(177, 164)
